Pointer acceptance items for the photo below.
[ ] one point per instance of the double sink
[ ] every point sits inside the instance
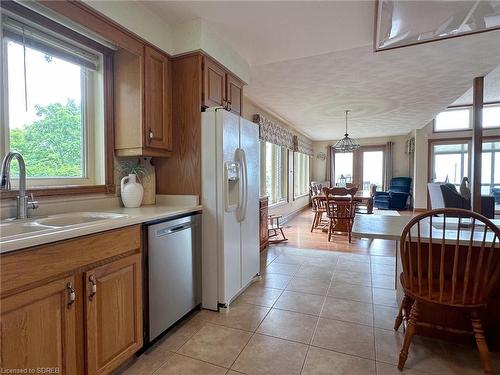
(13, 229)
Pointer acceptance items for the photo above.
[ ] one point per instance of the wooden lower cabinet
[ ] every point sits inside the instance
(74, 306)
(38, 328)
(113, 307)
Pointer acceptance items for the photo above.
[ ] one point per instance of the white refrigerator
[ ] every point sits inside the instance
(230, 199)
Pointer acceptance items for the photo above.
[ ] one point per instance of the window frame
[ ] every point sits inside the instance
(449, 141)
(108, 101)
(283, 173)
(469, 108)
(297, 174)
(492, 139)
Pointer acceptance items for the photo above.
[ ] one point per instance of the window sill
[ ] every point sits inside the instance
(278, 204)
(300, 196)
(61, 190)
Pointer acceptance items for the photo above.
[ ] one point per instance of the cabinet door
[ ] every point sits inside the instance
(234, 93)
(157, 103)
(214, 81)
(38, 328)
(113, 313)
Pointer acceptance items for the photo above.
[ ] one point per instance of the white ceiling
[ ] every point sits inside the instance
(491, 90)
(311, 60)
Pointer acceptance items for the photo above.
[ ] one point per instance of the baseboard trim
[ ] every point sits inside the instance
(292, 214)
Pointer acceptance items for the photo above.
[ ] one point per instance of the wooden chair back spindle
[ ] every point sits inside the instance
(459, 270)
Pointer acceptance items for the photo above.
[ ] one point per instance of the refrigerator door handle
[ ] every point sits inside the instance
(242, 207)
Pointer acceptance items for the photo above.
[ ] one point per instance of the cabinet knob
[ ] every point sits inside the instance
(71, 294)
(93, 287)
(150, 135)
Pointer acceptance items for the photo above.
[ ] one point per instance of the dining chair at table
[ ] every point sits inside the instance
(340, 209)
(451, 261)
(319, 209)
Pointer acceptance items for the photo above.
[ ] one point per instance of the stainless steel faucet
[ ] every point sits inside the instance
(23, 201)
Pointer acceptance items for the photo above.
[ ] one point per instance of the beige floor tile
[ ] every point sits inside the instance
(386, 369)
(290, 259)
(216, 344)
(425, 354)
(269, 355)
(309, 285)
(181, 365)
(325, 362)
(300, 302)
(383, 281)
(239, 315)
(323, 262)
(347, 264)
(465, 360)
(383, 269)
(350, 291)
(384, 316)
(150, 361)
(350, 311)
(288, 325)
(383, 260)
(386, 297)
(282, 268)
(348, 338)
(179, 335)
(258, 295)
(273, 280)
(349, 277)
(355, 257)
(314, 272)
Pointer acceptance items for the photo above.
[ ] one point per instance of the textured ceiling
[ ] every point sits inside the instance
(491, 90)
(389, 93)
(269, 31)
(311, 60)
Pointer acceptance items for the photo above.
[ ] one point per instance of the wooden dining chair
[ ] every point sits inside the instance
(340, 209)
(319, 209)
(455, 267)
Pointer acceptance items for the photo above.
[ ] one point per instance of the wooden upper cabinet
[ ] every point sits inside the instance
(38, 328)
(234, 94)
(220, 87)
(143, 106)
(113, 307)
(157, 107)
(214, 84)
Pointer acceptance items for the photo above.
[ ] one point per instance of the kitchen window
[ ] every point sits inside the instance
(274, 167)
(53, 89)
(300, 174)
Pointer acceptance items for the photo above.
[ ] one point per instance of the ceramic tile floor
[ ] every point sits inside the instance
(314, 312)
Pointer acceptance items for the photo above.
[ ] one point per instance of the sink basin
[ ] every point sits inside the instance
(75, 218)
(17, 228)
(14, 228)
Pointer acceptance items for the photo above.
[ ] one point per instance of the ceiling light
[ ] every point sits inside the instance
(346, 144)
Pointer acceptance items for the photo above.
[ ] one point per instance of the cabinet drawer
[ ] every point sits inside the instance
(32, 265)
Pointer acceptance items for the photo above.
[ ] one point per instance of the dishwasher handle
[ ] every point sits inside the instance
(170, 230)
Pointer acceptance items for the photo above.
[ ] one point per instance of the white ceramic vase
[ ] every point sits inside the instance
(132, 192)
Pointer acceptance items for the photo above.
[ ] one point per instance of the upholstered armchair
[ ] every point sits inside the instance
(396, 197)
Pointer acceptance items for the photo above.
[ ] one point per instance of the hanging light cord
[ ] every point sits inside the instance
(346, 114)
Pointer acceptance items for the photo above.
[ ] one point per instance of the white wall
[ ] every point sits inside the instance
(400, 159)
(292, 206)
(174, 39)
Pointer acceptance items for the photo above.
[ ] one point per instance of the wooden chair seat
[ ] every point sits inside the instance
(459, 273)
(446, 298)
(340, 212)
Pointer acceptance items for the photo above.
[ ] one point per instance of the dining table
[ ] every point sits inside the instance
(387, 227)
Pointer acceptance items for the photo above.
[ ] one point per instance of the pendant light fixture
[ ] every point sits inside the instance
(346, 144)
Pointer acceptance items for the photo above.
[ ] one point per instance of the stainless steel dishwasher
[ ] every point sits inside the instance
(173, 272)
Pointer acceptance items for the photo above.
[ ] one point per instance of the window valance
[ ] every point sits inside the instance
(302, 145)
(271, 132)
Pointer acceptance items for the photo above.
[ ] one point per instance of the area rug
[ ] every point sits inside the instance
(376, 211)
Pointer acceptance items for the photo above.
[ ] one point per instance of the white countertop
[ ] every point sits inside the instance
(390, 228)
(134, 216)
